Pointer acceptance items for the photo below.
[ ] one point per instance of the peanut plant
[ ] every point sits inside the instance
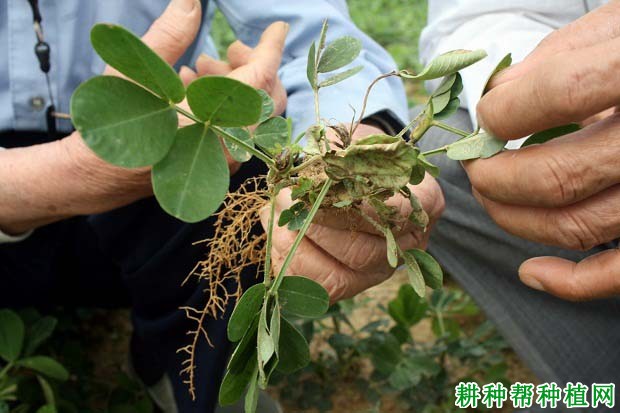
(134, 122)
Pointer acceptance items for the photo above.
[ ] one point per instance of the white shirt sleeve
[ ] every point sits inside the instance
(6, 238)
(497, 26)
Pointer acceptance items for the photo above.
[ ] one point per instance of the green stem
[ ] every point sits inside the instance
(435, 151)
(228, 136)
(300, 235)
(312, 160)
(409, 125)
(450, 128)
(272, 213)
(187, 114)
(244, 145)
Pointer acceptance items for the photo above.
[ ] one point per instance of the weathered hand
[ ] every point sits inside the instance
(347, 261)
(564, 192)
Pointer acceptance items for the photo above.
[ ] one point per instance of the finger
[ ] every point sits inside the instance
(238, 54)
(570, 87)
(312, 262)
(187, 75)
(580, 226)
(267, 55)
(175, 30)
(359, 251)
(557, 173)
(597, 276)
(595, 27)
(208, 66)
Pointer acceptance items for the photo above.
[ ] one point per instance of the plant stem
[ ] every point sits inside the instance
(409, 125)
(312, 160)
(435, 151)
(451, 129)
(374, 82)
(300, 236)
(272, 213)
(244, 145)
(6, 369)
(228, 136)
(187, 114)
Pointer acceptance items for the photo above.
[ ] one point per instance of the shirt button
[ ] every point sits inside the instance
(37, 103)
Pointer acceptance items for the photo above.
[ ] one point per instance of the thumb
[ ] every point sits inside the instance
(175, 30)
(597, 276)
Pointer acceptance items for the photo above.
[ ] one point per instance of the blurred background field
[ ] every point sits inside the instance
(385, 351)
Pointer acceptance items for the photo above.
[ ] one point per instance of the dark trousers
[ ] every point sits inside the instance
(134, 256)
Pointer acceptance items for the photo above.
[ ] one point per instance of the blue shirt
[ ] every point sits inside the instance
(66, 25)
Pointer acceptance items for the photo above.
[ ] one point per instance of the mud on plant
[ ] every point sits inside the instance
(134, 123)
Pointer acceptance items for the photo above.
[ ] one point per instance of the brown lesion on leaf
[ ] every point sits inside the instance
(233, 248)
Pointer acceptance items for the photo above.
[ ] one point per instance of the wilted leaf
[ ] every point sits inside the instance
(447, 63)
(392, 248)
(268, 106)
(265, 345)
(549, 134)
(237, 152)
(272, 135)
(303, 186)
(418, 216)
(45, 365)
(503, 64)
(224, 101)
(245, 311)
(339, 53)
(431, 270)
(192, 181)
(274, 325)
(297, 354)
(341, 76)
(126, 52)
(11, 335)
(414, 273)
(303, 297)
(369, 166)
(123, 123)
(482, 145)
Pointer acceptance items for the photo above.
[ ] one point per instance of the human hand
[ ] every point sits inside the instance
(564, 192)
(347, 262)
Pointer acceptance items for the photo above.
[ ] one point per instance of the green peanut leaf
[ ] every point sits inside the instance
(303, 297)
(191, 182)
(245, 352)
(447, 64)
(274, 325)
(431, 270)
(440, 102)
(48, 391)
(234, 384)
(38, 333)
(503, 64)
(339, 53)
(265, 345)
(46, 366)
(225, 102)
(12, 333)
(549, 134)
(482, 145)
(457, 86)
(123, 123)
(449, 110)
(295, 216)
(432, 169)
(392, 248)
(48, 408)
(237, 152)
(311, 68)
(245, 311)
(297, 354)
(272, 135)
(341, 76)
(407, 308)
(414, 273)
(268, 106)
(125, 52)
(251, 397)
(445, 85)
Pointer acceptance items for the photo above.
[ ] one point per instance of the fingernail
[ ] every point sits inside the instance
(285, 27)
(184, 5)
(531, 282)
